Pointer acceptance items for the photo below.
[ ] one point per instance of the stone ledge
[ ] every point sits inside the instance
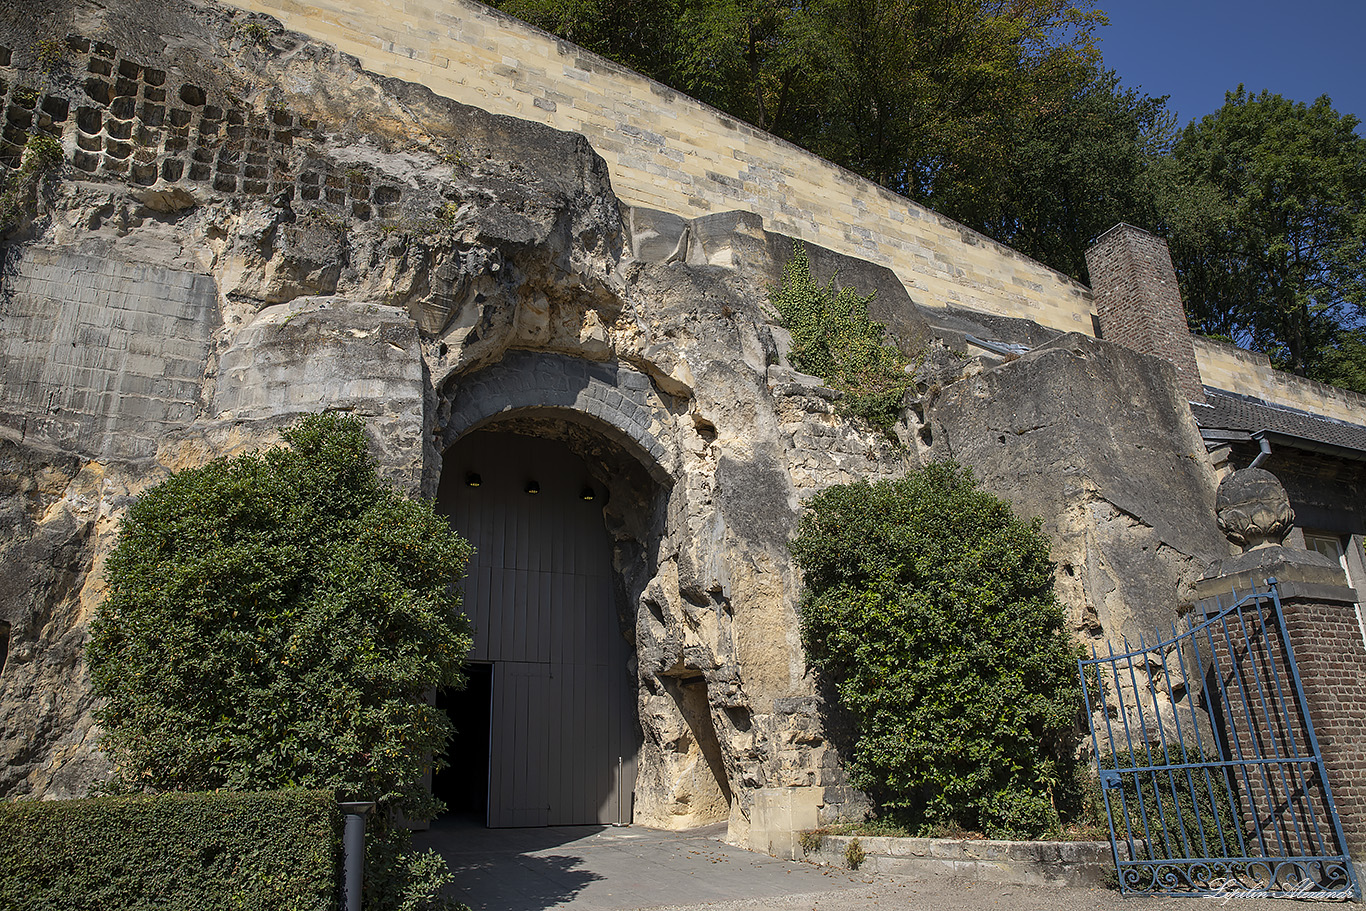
(1300, 574)
(1027, 863)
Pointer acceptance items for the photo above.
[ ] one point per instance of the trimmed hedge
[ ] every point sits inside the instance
(188, 851)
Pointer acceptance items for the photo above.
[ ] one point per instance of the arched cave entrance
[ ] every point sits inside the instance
(538, 416)
(548, 729)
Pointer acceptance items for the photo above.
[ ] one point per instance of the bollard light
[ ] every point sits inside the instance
(353, 851)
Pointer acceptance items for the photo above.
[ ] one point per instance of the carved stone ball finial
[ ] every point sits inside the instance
(1253, 508)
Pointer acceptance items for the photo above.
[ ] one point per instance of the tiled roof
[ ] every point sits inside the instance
(1227, 411)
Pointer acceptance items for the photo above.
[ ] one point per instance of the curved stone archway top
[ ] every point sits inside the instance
(614, 394)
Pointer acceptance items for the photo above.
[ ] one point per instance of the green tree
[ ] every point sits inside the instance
(1342, 362)
(1080, 168)
(963, 105)
(760, 60)
(277, 620)
(937, 93)
(751, 58)
(636, 33)
(1264, 206)
(930, 610)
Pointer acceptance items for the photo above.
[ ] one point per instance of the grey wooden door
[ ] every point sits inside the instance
(519, 771)
(563, 737)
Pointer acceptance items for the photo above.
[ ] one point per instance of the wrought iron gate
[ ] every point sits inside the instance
(1209, 767)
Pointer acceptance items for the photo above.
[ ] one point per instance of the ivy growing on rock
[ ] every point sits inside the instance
(834, 338)
(19, 191)
(277, 620)
(929, 609)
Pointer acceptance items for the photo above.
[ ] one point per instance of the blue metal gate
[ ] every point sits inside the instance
(1209, 767)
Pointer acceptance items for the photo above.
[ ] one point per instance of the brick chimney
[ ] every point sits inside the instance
(1139, 302)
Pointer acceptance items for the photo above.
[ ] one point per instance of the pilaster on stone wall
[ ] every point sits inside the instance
(1138, 301)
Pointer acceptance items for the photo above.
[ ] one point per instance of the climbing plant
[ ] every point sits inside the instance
(929, 609)
(19, 191)
(277, 620)
(834, 338)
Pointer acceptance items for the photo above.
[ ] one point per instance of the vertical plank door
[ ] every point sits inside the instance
(541, 591)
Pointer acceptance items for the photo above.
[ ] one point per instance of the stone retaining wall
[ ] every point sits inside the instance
(669, 152)
(1225, 366)
(1030, 863)
(672, 153)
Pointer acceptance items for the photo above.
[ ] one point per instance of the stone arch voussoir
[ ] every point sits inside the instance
(619, 398)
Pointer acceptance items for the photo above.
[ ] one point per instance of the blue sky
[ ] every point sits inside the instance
(1196, 50)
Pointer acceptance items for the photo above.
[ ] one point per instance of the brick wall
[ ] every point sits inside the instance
(1260, 724)
(1255, 681)
(1331, 655)
(1138, 301)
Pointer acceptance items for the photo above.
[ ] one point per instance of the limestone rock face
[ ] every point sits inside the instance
(248, 227)
(1094, 439)
(51, 506)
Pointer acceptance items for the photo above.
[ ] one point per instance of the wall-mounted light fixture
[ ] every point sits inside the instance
(533, 487)
(473, 480)
(587, 494)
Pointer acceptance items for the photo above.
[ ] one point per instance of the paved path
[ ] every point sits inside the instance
(594, 868)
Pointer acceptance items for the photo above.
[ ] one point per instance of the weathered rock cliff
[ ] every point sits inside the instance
(247, 226)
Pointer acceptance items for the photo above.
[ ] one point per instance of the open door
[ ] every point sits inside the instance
(564, 736)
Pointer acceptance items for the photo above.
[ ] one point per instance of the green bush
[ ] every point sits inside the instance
(1177, 813)
(834, 338)
(277, 620)
(191, 852)
(929, 609)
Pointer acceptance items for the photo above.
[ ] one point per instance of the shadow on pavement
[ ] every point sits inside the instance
(604, 868)
(601, 868)
(508, 869)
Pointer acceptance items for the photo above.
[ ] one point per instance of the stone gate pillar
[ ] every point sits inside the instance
(1323, 630)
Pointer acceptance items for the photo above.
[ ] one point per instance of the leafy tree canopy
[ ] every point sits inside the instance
(1343, 362)
(1264, 205)
(276, 620)
(1081, 168)
(993, 112)
(930, 610)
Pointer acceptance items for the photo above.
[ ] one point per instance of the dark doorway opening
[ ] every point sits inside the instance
(463, 785)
